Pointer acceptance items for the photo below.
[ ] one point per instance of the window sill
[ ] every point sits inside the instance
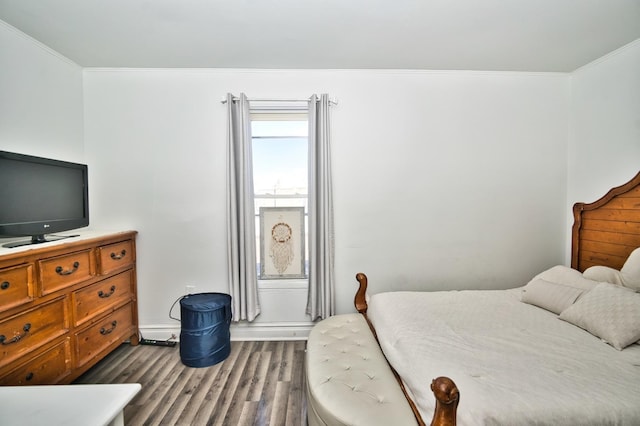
(283, 284)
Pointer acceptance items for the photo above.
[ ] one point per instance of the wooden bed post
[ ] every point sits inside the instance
(447, 398)
(360, 300)
(443, 388)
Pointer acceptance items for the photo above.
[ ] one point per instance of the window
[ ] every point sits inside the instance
(280, 168)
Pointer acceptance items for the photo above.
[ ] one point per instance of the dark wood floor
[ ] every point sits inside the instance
(260, 383)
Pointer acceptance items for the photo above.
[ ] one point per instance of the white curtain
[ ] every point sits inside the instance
(321, 298)
(241, 244)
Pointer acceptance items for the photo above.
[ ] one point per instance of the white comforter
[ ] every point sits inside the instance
(514, 364)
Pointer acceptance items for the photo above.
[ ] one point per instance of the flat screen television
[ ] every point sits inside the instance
(41, 196)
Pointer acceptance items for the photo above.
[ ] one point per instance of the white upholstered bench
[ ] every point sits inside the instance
(348, 379)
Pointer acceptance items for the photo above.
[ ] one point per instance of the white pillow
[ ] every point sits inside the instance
(608, 311)
(553, 297)
(628, 276)
(603, 274)
(564, 275)
(631, 270)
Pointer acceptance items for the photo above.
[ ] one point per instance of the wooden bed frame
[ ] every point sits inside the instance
(604, 233)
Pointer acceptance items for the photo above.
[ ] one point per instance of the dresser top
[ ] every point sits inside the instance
(75, 238)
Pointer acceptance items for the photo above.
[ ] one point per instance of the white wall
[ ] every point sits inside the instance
(604, 146)
(41, 111)
(441, 179)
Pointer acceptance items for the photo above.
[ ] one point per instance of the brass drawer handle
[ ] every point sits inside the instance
(103, 295)
(105, 331)
(60, 271)
(17, 338)
(4, 285)
(118, 256)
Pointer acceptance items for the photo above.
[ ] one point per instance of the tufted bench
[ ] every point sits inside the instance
(348, 379)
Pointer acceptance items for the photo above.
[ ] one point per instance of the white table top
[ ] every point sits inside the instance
(64, 405)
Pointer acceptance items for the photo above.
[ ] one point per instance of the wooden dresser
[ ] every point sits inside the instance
(65, 305)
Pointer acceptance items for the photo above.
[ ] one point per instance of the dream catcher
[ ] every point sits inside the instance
(281, 250)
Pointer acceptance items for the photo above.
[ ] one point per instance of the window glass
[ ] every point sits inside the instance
(280, 166)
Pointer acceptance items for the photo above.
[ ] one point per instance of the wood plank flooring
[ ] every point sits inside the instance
(260, 383)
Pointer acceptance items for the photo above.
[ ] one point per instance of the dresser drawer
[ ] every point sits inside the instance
(16, 286)
(91, 301)
(20, 334)
(99, 336)
(45, 369)
(116, 256)
(63, 271)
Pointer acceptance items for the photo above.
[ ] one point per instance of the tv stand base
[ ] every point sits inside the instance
(37, 239)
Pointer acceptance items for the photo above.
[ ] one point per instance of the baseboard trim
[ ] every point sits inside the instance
(239, 331)
(270, 331)
(160, 332)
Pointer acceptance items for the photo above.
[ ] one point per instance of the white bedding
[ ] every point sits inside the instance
(514, 363)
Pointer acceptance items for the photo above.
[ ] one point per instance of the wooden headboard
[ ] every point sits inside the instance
(606, 231)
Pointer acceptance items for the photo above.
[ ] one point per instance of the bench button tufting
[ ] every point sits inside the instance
(341, 349)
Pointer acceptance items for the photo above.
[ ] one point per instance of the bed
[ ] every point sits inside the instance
(562, 350)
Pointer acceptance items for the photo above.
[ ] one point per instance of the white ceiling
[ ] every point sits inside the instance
(518, 35)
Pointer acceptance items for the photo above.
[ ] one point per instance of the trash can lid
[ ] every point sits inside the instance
(205, 301)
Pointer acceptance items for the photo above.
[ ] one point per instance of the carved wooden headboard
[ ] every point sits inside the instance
(606, 231)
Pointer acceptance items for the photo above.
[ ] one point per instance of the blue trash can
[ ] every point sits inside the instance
(205, 338)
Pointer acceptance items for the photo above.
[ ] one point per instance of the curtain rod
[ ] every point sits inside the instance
(224, 100)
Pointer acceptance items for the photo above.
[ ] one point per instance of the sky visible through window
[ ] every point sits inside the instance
(280, 153)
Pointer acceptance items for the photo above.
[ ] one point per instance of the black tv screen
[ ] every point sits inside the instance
(40, 196)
